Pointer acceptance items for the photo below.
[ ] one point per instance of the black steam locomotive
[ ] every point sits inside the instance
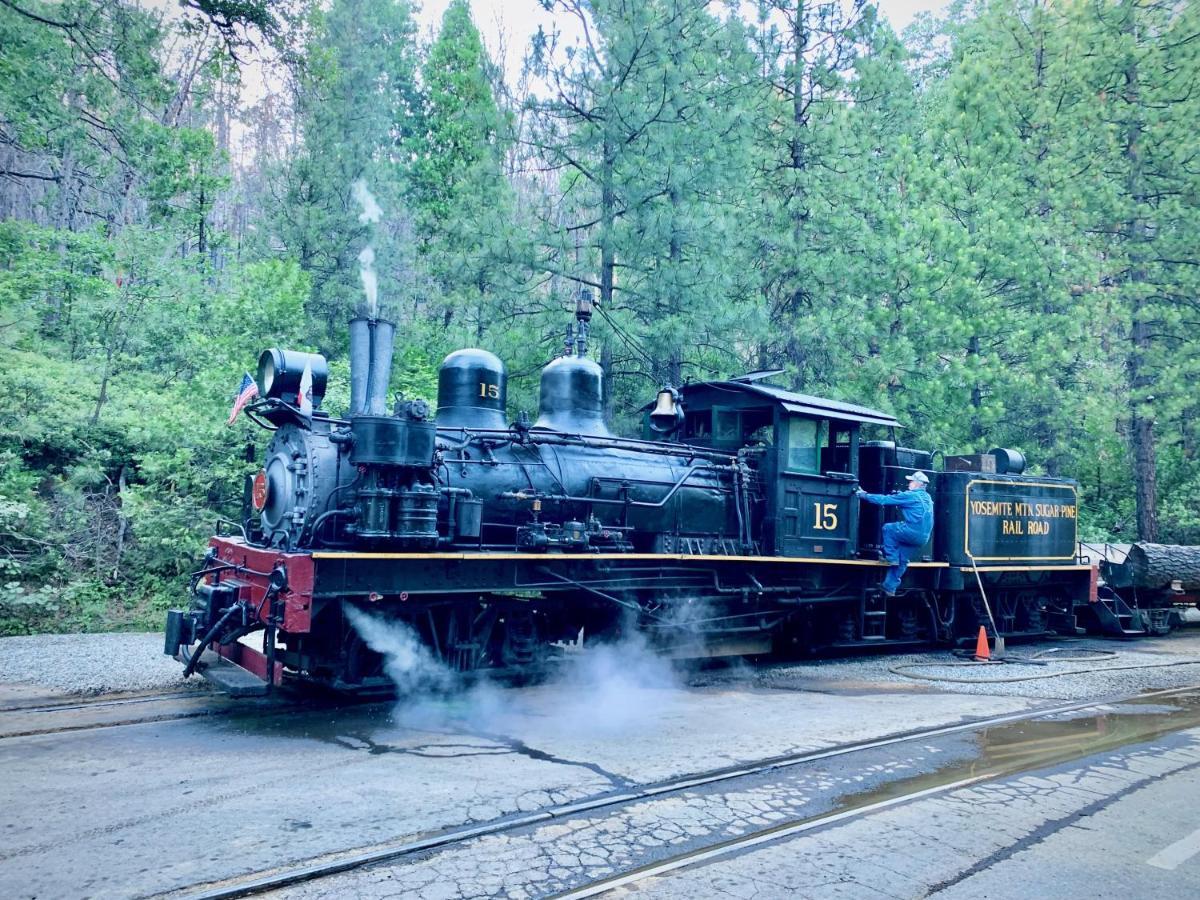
(730, 528)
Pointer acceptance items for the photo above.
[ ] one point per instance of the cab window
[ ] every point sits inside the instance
(698, 424)
(728, 427)
(805, 439)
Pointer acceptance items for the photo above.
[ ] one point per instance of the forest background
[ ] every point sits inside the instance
(989, 226)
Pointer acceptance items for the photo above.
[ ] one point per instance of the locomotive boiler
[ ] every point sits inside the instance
(730, 527)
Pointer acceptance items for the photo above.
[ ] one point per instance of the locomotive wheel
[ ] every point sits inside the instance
(1033, 611)
(361, 661)
(519, 646)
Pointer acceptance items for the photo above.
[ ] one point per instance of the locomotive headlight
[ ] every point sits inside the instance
(280, 372)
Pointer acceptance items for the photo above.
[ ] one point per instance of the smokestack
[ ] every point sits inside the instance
(383, 339)
(371, 342)
(360, 364)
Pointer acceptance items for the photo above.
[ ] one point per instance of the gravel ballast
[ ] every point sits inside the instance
(92, 663)
(117, 663)
(1167, 662)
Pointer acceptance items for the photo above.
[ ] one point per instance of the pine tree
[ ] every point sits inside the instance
(648, 133)
(1141, 75)
(997, 335)
(358, 112)
(840, 108)
(463, 201)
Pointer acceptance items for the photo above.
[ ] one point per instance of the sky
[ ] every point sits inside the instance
(507, 25)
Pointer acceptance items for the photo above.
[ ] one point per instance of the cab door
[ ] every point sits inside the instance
(815, 516)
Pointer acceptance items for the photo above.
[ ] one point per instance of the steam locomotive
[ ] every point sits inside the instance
(731, 527)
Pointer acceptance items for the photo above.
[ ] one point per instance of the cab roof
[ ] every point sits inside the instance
(708, 392)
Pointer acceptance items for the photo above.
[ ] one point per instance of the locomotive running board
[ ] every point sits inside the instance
(488, 556)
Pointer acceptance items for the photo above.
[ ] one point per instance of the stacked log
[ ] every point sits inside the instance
(1157, 565)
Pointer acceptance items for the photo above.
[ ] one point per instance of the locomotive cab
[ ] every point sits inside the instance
(807, 452)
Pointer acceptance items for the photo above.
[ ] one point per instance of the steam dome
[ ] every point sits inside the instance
(572, 397)
(472, 391)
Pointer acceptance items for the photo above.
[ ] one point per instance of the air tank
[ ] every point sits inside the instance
(571, 399)
(472, 391)
(1008, 462)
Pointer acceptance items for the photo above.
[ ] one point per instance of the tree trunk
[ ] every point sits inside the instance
(122, 525)
(976, 392)
(674, 367)
(201, 236)
(606, 364)
(607, 216)
(102, 397)
(799, 120)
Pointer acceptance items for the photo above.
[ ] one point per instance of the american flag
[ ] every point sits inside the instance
(247, 392)
(305, 396)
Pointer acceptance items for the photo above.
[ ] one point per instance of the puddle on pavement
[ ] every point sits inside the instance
(1016, 747)
(850, 687)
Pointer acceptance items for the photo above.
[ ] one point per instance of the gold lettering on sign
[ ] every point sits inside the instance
(1030, 524)
(1020, 518)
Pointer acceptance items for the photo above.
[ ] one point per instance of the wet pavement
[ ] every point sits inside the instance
(1115, 825)
(134, 810)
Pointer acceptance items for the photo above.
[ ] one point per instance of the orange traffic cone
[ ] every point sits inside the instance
(982, 653)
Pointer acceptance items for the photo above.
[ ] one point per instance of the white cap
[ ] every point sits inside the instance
(919, 476)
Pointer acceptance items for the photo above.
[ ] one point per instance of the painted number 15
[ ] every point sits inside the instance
(491, 391)
(825, 516)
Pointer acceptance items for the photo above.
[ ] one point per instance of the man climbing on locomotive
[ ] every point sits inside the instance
(903, 540)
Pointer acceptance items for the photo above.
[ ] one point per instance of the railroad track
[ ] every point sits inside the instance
(117, 712)
(109, 712)
(101, 701)
(727, 778)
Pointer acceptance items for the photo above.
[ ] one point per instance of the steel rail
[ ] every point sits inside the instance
(767, 835)
(235, 706)
(350, 860)
(103, 701)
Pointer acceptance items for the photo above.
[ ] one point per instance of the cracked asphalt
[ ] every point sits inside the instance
(554, 857)
(1074, 832)
(134, 810)
(143, 809)
(935, 845)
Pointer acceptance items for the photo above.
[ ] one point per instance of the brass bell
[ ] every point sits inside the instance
(666, 416)
(665, 408)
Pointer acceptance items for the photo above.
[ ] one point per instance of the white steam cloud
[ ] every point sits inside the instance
(370, 282)
(406, 660)
(606, 690)
(370, 215)
(371, 210)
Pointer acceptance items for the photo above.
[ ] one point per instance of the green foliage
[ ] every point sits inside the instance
(471, 257)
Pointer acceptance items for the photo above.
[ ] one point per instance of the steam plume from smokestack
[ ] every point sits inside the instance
(370, 215)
